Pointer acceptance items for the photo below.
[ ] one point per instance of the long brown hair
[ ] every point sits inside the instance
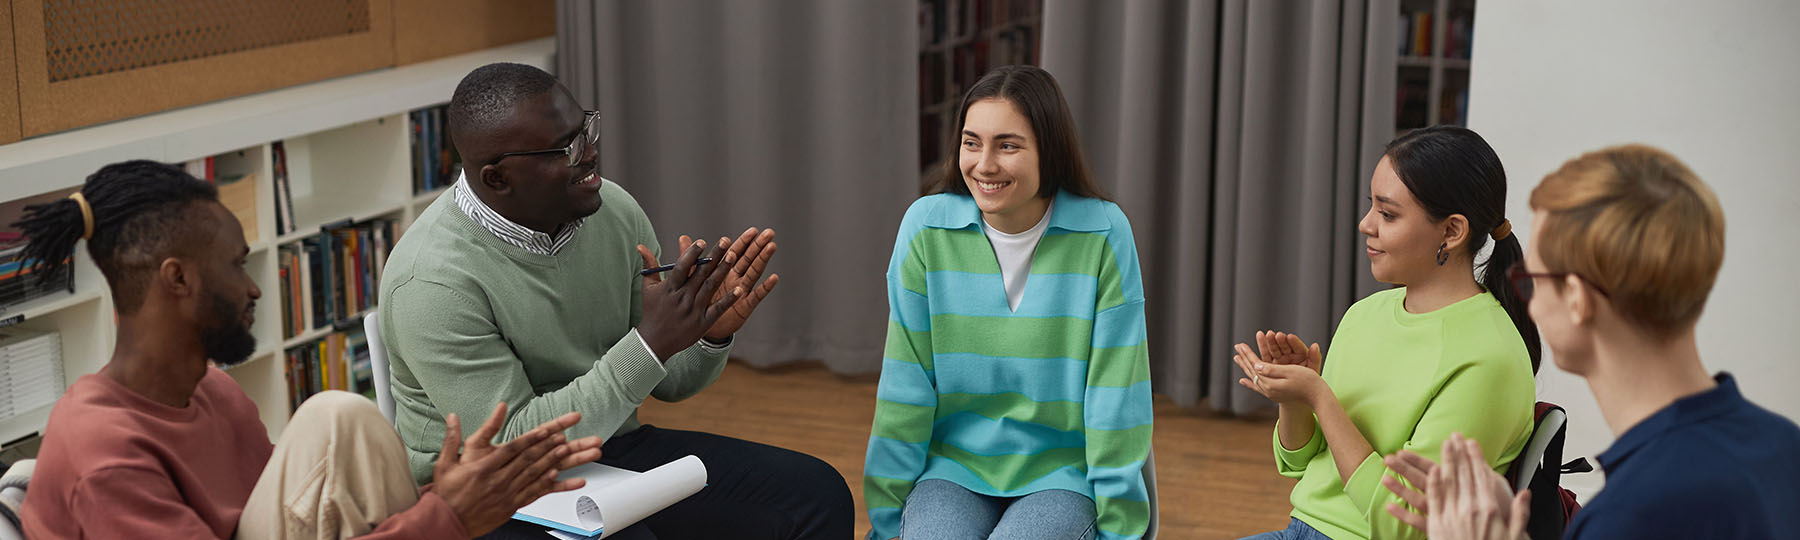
(1031, 89)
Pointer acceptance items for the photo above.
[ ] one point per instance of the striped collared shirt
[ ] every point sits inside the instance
(513, 233)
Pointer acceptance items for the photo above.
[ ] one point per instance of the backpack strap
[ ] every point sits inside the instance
(1547, 516)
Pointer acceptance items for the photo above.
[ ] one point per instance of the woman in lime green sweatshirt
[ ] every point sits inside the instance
(1442, 353)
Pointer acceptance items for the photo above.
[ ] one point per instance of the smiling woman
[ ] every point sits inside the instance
(999, 164)
(1015, 126)
(1014, 399)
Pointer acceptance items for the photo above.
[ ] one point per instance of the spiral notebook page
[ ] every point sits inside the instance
(614, 498)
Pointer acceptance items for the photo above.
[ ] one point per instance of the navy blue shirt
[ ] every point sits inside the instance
(1710, 465)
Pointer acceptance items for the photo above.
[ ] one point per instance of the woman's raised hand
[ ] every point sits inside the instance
(1287, 349)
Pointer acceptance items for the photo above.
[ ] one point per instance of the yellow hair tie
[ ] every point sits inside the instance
(87, 215)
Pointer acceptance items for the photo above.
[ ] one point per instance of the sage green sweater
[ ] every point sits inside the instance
(470, 321)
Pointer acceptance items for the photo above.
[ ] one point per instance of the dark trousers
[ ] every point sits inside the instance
(753, 491)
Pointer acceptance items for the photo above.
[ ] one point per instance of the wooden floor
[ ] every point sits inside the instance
(1215, 474)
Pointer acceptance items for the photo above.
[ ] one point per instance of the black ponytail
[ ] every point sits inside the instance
(1452, 170)
(1493, 276)
(137, 207)
(53, 229)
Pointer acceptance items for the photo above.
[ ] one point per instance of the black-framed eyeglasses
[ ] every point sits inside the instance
(577, 148)
(1524, 283)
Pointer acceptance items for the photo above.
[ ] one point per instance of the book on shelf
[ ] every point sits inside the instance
(1411, 103)
(203, 168)
(31, 370)
(283, 273)
(296, 280)
(1458, 35)
(1421, 30)
(332, 277)
(1403, 34)
(436, 164)
(284, 198)
(1015, 46)
(1414, 32)
(1012, 10)
(928, 20)
(336, 361)
(19, 283)
(1454, 109)
(959, 41)
(931, 79)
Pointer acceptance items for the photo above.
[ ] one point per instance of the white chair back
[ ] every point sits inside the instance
(384, 392)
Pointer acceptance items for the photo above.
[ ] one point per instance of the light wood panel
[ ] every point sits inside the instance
(163, 55)
(1216, 474)
(9, 79)
(430, 29)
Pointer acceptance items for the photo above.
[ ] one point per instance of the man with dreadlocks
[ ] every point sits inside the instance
(160, 444)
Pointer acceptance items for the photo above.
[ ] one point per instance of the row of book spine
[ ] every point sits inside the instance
(944, 74)
(1415, 34)
(337, 361)
(18, 282)
(942, 20)
(436, 163)
(333, 277)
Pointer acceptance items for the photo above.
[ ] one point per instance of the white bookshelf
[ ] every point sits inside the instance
(348, 155)
(1444, 76)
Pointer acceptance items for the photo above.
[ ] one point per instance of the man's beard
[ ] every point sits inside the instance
(228, 341)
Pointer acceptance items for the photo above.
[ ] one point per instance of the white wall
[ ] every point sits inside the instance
(1717, 83)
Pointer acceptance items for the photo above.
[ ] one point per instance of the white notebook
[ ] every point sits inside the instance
(614, 498)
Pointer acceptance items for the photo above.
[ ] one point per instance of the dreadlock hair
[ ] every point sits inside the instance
(140, 216)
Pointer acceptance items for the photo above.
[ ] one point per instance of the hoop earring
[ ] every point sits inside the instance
(1441, 256)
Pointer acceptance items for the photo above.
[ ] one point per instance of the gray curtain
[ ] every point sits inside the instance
(1238, 136)
(800, 115)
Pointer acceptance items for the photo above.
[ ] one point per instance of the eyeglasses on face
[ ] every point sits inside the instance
(1525, 283)
(577, 147)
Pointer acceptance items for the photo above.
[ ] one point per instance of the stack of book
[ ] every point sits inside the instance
(18, 283)
(31, 375)
(332, 278)
(338, 361)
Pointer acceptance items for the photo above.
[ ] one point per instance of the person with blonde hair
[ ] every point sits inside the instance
(1626, 246)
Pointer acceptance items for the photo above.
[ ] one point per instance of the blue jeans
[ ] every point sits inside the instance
(1296, 530)
(942, 510)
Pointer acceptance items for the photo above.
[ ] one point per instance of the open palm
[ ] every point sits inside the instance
(1284, 348)
(749, 257)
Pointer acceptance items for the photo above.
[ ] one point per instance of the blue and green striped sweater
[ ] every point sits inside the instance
(1004, 403)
